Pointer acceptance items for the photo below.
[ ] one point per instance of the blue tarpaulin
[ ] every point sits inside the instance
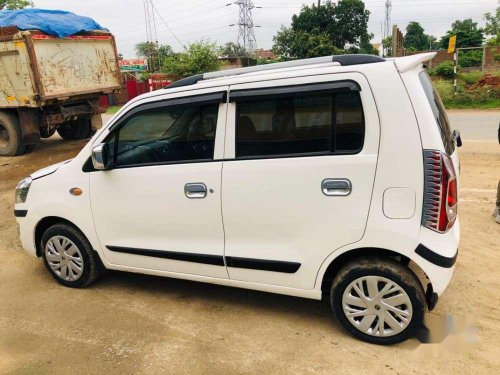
(57, 23)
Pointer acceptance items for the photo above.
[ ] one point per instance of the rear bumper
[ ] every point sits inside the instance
(436, 255)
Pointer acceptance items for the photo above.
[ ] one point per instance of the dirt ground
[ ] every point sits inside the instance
(128, 323)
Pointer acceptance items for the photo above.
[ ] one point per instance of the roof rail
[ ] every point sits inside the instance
(343, 60)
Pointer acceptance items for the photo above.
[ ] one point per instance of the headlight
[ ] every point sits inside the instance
(22, 189)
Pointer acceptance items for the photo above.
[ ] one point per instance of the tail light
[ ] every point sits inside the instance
(440, 192)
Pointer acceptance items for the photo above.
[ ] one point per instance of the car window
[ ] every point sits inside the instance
(169, 134)
(439, 112)
(311, 123)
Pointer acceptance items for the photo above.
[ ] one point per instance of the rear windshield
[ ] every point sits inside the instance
(439, 112)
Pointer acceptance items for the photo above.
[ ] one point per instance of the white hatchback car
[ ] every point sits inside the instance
(332, 177)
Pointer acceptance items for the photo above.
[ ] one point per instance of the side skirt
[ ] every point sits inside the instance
(215, 260)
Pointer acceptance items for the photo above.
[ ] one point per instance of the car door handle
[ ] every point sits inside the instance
(336, 187)
(196, 190)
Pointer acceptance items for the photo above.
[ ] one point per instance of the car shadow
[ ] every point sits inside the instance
(232, 297)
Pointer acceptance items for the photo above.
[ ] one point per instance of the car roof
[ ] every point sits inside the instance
(231, 76)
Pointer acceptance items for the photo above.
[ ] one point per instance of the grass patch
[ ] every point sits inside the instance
(113, 109)
(481, 97)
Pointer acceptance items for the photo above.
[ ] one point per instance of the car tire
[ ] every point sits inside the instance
(10, 135)
(75, 130)
(369, 291)
(74, 268)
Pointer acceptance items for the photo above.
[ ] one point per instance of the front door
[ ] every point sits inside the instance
(298, 175)
(159, 208)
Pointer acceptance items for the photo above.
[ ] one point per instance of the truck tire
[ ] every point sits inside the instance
(75, 130)
(10, 135)
(46, 132)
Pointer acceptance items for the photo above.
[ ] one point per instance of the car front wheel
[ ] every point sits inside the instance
(69, 257)
(378, 300)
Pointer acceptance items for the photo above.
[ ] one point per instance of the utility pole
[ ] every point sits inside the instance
(151, 35)
(246, 36)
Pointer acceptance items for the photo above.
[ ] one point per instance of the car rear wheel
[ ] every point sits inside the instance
(378, 300)
(69, 257)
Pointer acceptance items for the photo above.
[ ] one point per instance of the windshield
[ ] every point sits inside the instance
(439, 112)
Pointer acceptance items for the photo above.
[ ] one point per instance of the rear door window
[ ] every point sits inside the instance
(326, 123)
(439, 112)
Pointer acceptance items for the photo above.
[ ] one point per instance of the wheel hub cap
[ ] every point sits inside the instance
(64, 257)
(377, 306)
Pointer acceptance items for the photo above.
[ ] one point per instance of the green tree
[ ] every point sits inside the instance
(291, 44)
(14, 4)
(232, 49)
(199, 57)
(325, 29)
(415, 37)
(468, 34)
(492, 27)
(156, 54)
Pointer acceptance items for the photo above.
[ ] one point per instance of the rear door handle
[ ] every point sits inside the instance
(196, 190)
(336, 187)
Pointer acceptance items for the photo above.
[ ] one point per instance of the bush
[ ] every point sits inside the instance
(445, 69)
(470, 58)
(471, 78)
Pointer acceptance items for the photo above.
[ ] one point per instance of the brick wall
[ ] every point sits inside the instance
(490, 62)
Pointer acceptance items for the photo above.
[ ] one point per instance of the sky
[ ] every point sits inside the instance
(192, 20)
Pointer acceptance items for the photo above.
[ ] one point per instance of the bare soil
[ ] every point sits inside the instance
(127, 323)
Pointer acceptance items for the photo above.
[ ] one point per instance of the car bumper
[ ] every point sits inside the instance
(437, 255)
(26, 230)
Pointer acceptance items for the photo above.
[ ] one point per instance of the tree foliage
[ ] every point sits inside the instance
(199, 57)
(468, 34)
(156, 54)
(14, 4)
(292, 44)
(415, 37)
(329, 28)
(492, 27)
(232, 49)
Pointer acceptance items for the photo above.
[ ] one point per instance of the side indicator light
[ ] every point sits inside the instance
(76, 191)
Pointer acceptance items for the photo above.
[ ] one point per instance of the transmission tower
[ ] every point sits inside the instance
(246, 36)
(151, 36)
(387, 21)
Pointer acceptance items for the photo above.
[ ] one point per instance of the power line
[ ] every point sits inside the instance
(168, 27)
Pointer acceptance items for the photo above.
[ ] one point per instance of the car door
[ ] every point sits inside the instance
(159, 207)
(298, 175)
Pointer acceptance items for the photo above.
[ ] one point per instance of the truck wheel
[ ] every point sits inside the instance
(10, 135)
(46, 132)
(75, 130)
(378, 300)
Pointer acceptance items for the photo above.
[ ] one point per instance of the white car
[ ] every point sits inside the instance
(333, 177)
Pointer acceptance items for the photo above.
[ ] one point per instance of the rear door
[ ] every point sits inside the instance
(300, 160)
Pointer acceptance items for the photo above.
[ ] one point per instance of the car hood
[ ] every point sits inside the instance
(48, 170)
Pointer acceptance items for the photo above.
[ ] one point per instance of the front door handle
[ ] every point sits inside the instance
(336, 187)
(196, 190)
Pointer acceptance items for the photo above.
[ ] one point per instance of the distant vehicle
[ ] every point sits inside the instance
(49, 84)
(332, 178)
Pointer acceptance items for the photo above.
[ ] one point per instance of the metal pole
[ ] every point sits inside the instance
(455, 71)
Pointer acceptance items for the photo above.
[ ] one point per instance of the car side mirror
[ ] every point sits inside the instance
(457, 138)
(100, 157)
